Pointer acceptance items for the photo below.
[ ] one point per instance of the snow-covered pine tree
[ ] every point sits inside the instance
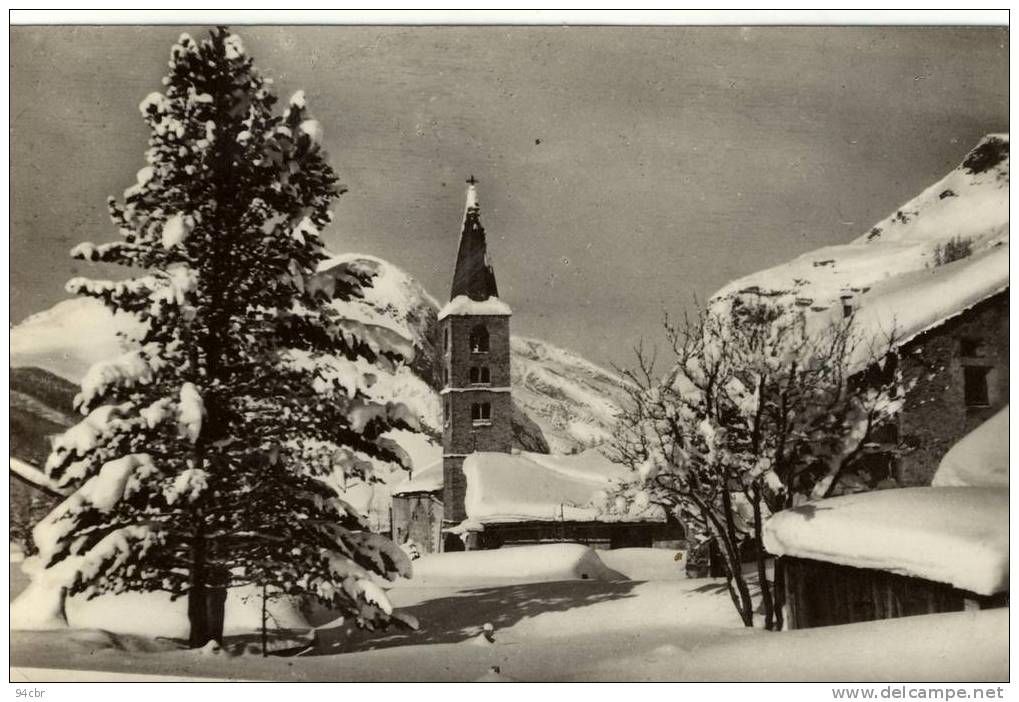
(197, 465)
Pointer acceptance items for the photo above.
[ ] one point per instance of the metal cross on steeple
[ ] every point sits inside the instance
(472, 180)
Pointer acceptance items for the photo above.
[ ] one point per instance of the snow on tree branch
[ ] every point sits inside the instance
(212, 446)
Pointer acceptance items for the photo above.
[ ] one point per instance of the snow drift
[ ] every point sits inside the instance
(947, 647)
(153, 614)
(43, 606)
(645, 563)
(979, 459)
(524, 563)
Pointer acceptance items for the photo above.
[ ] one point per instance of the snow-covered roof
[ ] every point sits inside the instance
(461, 306)
(895, 277)
(537, 487)
(979, 459)
(954, 535)
(910, 304)
(428, 479)
(528, 487)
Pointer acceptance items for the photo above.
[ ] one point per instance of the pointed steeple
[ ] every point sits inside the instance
(474, 276)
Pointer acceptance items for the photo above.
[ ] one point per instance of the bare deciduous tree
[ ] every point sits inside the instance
(759, 409)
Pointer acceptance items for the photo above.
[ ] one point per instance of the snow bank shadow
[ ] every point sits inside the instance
(713, 587)
(808, 511)
(461, 616)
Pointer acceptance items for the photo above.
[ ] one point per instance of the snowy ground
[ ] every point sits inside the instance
(604, 627)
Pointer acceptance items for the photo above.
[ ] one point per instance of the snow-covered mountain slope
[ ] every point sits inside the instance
(937, 255)
(40, 405)
(72, 335)
(564, 403)
(395, 301)
(572, 400)
(69, 337)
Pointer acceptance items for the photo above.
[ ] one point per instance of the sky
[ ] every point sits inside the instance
(624, 172)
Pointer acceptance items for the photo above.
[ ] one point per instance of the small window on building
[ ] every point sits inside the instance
(971, 348)
(847, 306)
(479, 375)
(481, 413)
(479, 340)
(448, 341)
(975, 386)
(447, 411)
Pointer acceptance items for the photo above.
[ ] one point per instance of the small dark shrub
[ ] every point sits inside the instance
(986, 156)
(952, 250)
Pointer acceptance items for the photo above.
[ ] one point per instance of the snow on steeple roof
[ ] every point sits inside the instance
(474, 276)
(463, 306)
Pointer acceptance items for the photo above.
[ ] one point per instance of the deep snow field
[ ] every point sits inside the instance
(552, 613)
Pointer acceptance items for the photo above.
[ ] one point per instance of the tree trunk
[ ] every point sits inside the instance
(780, 595)
(198, 596)
(730, 544)
(738, 589)
(265, 624)
(779, 589)
(215, 606)
(716, 564)
(762, 571)
(206, 597)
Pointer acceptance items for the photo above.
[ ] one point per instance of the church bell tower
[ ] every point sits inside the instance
(474, 362)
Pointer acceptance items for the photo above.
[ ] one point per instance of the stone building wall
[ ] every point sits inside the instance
(417, 517)
(458, 357)
(454, 489)
(936, 413)
(463, 433)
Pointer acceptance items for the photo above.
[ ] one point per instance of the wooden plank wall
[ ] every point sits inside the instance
(824, 594)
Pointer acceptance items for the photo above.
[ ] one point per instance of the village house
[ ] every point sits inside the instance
(897, 553)
(960, 369)
(926, 291)
(951, 346)
(484, 493)
(930, 301)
